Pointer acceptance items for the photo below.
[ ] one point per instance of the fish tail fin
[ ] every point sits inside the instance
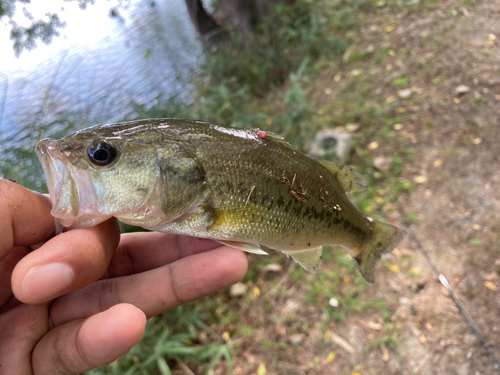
(384, 239)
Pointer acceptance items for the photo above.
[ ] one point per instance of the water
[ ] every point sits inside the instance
(148, 53)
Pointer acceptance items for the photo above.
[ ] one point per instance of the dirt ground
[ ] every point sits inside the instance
(449, 115)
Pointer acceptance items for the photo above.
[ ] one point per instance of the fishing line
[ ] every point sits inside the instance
(461, 307)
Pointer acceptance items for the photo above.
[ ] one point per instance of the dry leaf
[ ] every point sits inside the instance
(420, 179)
(374, 326)
(373, 145)
(330, 358)
(272, 267)
(262, 369)
(256, 291)
(385, 354)
(422, 339)
(491, 286)
(390, 28)
(438, 163)
(394, 268)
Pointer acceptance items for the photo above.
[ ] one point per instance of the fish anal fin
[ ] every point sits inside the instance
(350, 179)
(247, 247)
(309, 259)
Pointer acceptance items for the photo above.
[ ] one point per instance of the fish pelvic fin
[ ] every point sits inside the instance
(247, 247)
(309, 259)
(384, 239)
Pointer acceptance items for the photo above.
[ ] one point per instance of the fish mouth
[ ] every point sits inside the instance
(70, 188)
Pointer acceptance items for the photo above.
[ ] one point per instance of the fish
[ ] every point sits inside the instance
(248, 189)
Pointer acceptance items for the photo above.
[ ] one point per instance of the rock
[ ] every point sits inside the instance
(352, 127)
(296, 338)
(382, 163)
(331, 142)
(404, 301)
(238, 289)
(405, 93)
(334, 302)
(462, 89)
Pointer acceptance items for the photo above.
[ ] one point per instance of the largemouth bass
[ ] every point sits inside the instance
(248, 189)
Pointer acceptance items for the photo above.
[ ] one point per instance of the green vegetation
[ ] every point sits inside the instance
(270, 85)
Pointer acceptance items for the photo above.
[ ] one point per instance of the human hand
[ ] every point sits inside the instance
(81, 300)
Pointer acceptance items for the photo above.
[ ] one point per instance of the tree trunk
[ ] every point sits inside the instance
(240, 15)
(204, 24)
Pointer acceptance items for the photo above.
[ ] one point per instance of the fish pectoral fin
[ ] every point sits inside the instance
(309, 259)
(350, 179)
(247, 247)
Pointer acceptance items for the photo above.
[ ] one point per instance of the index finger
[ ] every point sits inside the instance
(25, 217)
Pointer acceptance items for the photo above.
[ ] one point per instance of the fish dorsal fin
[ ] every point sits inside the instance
(248, 247)
(350, 179)
(309, 259)
(277, 138)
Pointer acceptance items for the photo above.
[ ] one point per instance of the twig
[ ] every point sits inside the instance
(250, 194)
(183, 366)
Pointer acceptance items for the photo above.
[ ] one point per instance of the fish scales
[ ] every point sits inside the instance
(298, 220)
(236, 186)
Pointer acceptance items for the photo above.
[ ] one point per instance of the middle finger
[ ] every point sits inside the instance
(157, 290)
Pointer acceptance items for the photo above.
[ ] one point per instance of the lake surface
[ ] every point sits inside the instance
(148, 54)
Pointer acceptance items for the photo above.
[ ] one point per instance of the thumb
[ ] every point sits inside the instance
(82, 345)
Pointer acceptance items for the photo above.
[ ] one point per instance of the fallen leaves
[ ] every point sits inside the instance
(491, 286)
(330, 358)
(491, 39)
(420, 179)
(256, 291)
(385, 354)
(394, 268)
(374, 326)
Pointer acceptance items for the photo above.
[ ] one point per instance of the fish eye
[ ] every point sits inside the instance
(102, 153)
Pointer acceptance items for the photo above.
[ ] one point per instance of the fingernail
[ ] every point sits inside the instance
(46, 281)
